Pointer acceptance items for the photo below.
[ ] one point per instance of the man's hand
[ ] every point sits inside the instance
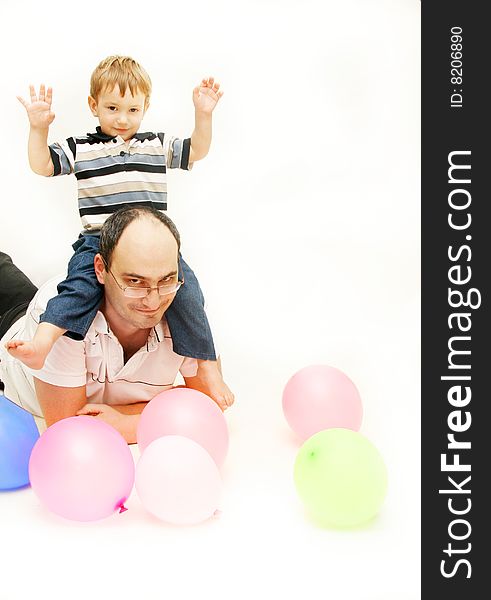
(112, 417)
(39, 108)
(206, 96)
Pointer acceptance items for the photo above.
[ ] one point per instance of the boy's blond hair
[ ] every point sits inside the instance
(123, 71)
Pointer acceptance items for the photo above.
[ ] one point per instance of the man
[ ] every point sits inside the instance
(126, 357)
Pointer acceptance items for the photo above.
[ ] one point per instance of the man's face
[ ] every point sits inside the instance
(119, 115)
(146, 255)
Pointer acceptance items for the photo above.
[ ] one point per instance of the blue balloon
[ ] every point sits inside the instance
(18, 434)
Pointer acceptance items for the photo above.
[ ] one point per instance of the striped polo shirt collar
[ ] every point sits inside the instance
(144, 136)
(100, 136)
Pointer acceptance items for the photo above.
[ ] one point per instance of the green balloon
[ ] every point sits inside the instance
(341, 478)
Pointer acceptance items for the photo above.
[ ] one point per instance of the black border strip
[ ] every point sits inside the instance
(451, 124)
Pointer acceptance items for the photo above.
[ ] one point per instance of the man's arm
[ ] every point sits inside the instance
(61, 402)
(123, 417)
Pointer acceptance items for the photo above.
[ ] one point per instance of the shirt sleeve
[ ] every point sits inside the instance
(65, 364)
(176, 152)
(63, 156)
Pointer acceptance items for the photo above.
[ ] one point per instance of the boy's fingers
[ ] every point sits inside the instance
(22, 101)
(49, 95)
(42, 92)
(33, 93)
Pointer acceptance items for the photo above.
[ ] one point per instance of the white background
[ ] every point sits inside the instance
(303, 227)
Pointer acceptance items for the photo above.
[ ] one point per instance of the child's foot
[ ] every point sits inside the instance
(32, 354)
(211, 381)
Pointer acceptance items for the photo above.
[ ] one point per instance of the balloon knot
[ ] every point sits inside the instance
(122, 508)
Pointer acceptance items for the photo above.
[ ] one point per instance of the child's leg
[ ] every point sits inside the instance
(71, 311)
(33, 353)
(191, 336)
(209, 380)
(188, 323)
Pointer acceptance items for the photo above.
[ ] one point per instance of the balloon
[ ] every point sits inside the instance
(178, 481)
(18, 434)
(320, 397)
(82, 469)
(341, 478)
(186, 412)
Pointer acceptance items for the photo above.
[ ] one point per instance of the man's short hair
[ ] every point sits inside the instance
(114, 226)
(121, 70)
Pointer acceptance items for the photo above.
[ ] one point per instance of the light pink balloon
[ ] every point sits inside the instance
(186, 412)
(321, 397)
(178, 481)
(82, 469)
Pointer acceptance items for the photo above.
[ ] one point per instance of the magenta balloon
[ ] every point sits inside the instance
(178, 481)
(321, 397)
(185, 412)
(82, 469)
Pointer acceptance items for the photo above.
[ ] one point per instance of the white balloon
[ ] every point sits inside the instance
(178, 481)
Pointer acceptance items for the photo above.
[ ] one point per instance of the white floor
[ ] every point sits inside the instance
(262, 545)
(303, 227)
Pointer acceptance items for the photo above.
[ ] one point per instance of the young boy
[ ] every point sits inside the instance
(117, 166)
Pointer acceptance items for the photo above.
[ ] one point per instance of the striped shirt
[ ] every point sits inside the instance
(112, 173)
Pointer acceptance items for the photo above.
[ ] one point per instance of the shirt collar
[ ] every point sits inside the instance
(99, 136)
(100, 325)
(144, 136)
(157, 334)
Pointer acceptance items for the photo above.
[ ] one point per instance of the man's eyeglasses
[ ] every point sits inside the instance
(142, 292)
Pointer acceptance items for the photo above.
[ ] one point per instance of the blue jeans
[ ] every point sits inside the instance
(80, 294)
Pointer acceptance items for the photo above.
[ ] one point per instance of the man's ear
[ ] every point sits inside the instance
(92, 105)
(99, 268)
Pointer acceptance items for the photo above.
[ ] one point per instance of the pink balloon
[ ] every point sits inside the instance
(186, 412)
(178, 481)
(82, 469)
(321, 397)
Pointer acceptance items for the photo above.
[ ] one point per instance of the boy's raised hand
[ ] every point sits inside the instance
(39, 108)
(206, 95)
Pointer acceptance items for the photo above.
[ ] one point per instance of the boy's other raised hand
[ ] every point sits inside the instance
(39, 108)
(206, 95)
